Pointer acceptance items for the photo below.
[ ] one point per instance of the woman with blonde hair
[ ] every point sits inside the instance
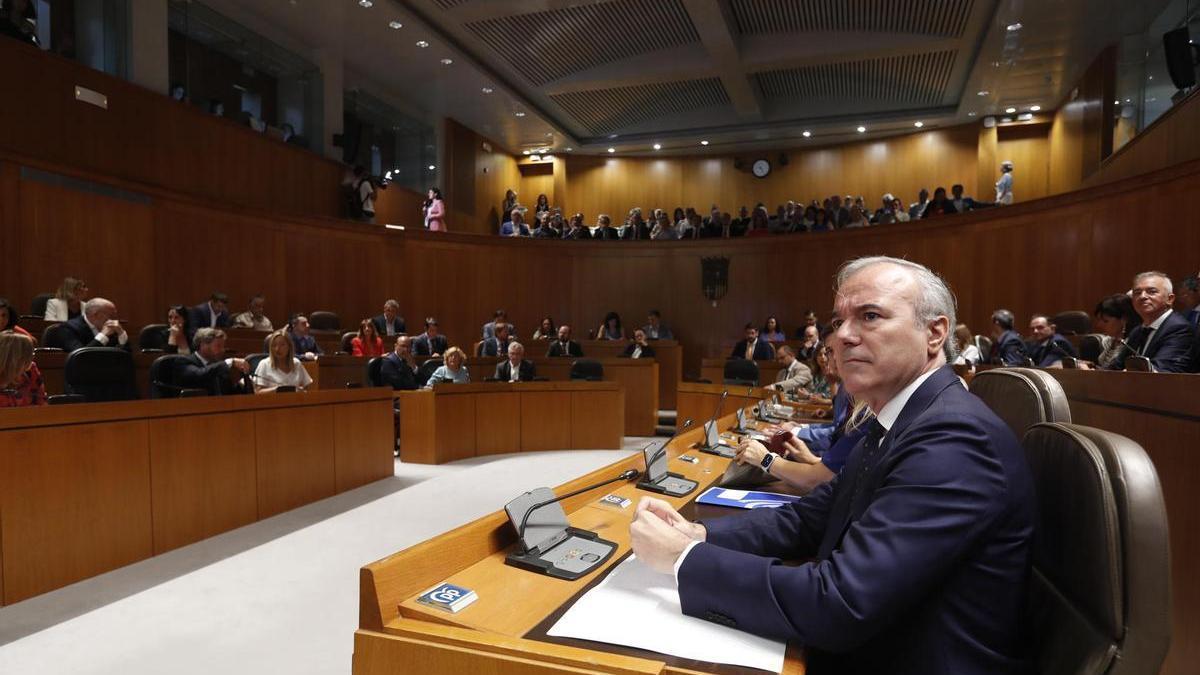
(453, 370)
(281, 368)
(21, 383)
(67, 302)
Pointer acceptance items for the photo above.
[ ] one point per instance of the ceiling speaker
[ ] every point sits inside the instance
(1181, 57)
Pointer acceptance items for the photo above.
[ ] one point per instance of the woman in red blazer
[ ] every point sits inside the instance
(367, 342)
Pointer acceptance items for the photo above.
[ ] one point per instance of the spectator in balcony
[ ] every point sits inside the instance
(577, 230)
(886, 213)
(542, 206)
(281, 368)
(839, 213)
(18, 20)
(9, 319)
(435, 211)
(67, 302)
(635, 227)
(961, 204)
(898, 209)
(510, 202)
(515, 226)
(857, 218)
(178, 92)
(453, 370)
(546, 330)
(21, 383)
(940, 206)
(821, 222)
(96, 327)
(664, 229)
(611, 329)
(1004, 186)
(740, 225)
(639, 348)
(604, 228)
(809, 220)
(216, 108)
(367, 342)
(758, 223)
(306, 346)
(545, 228)
(917, 208)
(253, 317)
(365, 192)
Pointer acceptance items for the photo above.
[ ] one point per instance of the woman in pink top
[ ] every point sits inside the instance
(435, 211)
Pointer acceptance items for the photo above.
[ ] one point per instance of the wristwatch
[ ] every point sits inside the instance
(767, 460)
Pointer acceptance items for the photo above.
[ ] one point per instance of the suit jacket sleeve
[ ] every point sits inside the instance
(192, 374)
(1174, 349)
(1012, 353)
(503, 371)
(739, 350)
(944, 489)
(802, 377)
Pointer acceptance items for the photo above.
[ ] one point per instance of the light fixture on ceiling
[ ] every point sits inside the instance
(547, 158)
(365, 4)
(1024, 117)
(862, 130)
(807, 134)
(568, 149)
(432, 167)
(1035, 108)
(524, 152)
(1010, 110)
(519, 113)
(1116, 103)
(447, 62)
(422, 44)
(544, 150)
(612, 150)
(1014, 27)
(971, 114)
(1006, 120)
(549, 134)
(395, 25)
(658, 146)
(918, 124)
(487, 90)
(983, 92)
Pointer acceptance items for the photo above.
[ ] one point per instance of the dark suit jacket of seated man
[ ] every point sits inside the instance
(526, 371)
(381, 325)
(571, 348)
(423, 345)
(397, 374)
(201, 316)
(1051, 351)
(77, 334)
(495, 346)
(1173, 347)
(213, 377)
(1009, 349)
(762, 350)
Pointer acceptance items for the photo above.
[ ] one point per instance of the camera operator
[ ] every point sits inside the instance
(366, 193)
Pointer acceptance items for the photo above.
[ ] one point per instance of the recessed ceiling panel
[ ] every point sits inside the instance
(943, 18)
(912, 79)
(604, 111)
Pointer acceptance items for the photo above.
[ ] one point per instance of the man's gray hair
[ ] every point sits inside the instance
(1155, 273)
(935, 299)
(204, 336)
(94, 305)
(515, 345)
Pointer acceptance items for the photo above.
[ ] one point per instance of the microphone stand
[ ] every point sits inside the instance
(670, 484)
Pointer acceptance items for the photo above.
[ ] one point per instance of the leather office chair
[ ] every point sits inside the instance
(374, 366)
(37, 308)
(1074, 322)
(425, 371)
(151, 337)
(53, 336)
(254, 359)
(741, 371)
(478, 349)
(322, 320)
(587, 369)
(100, 374)
(1090, 347)
(984, 343)
(346, 338)
(1100, 592)
(164, 381)
(1022, 397)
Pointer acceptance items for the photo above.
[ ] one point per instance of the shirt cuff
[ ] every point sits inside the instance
(102, 338)
(679, 561)
(122, 338)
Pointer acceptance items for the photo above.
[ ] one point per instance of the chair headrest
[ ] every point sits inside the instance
(1022, 397)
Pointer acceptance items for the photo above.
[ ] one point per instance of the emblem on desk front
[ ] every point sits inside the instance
(448, 597)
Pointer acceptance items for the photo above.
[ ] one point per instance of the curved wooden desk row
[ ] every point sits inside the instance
(714, 370)
(457, 421)
(501, 631)
(85, 489)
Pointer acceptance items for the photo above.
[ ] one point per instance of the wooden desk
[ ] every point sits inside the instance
(335, 371)
(85, 489)
(1162, 413)
(698, 400)
(499, 632)
(668, 354)
(714, 369)
(457, 421)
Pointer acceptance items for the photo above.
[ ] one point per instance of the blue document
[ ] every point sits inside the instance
(744, 499)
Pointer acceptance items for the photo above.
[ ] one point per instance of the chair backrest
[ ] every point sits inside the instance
(54, 336)
(587, 369)
(38, 306)
(1091, 347)
(322, 320)
(253, 360)
(1073, 322)
(374, 366)
(1022, 397)
(164, 377)
(151, 337)
(1100, 592)
(346, 338)
(478, 349)
(100, 374)
(426, 370)
(984, 343)
(741, 371)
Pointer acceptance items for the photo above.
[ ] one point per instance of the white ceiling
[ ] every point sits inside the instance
(741, 74)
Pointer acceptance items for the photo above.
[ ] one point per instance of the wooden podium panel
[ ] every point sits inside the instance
(295, 464)
(357, 431)
(495, 432)
(667, 353)
(714, 369)
(546, 420)
(698, 400)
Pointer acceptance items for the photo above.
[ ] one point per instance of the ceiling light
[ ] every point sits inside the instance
(487, 90)
(568, 149)
(547, 158)
(1014, 27)
(703, 142)
(807, 134)
(918, 124)
(446, 62)
(395, 25)
(422, 44)
(1010, 110)
(1024, 117)
(519, 114)
(432, 167)
(1034, 108)
(862, 130)
(549, 134)
(984, 92)
(544, 150)
(1116, 103)
(612, 149)
(366, 4)
(971, 114)
(658, 146)
(524, 152)
(1006, 120)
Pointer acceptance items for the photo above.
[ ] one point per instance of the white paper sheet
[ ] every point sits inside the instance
(638, 607)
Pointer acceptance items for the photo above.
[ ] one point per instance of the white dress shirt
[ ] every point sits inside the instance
(1154, 327)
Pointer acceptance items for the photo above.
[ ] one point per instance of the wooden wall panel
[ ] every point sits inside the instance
(362, 440)
(1028, 147)
(546, 420)
(497, 422)
(475, 179)
(1172, 139)
(296, 463)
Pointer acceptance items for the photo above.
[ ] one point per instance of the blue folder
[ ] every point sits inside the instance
(744, 499)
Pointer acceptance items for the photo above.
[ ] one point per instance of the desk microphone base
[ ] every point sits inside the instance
(672, 485)
(580, 553)
(718, 450)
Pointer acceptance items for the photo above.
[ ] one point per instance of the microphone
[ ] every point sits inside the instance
(626, 475)
(663, 450)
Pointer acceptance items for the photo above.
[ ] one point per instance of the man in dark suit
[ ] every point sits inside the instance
(639, 348)
(564, 345)
(1008, 348)
(604, 229)
(752, 348)
(1047, 348)
(499, 316)
(921, 544)
(430, 343)
(207, 368)
(636, 227)
(1165, 336)
(516, 368)
(497, 345)
(390, 322)
(96, 326)
(1188, 299)
(211, 314)
(398, 369)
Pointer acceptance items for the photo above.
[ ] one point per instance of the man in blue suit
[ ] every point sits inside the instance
(922, 543)
(1165, 336)
(211, 314)
(1009, 348)
(430, 343)
(752, 348)
(1188, 299)
(1048, 348)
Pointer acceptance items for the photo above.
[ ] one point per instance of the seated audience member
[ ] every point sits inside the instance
(759, 223)
(453, 370)
(809, 340)
(390, 322)
(489, 328)
(9, 319)
(665, 229)
(740, 225)
(67, 302)
(604, 229)
(515, 368)
(934, 509)
(510, 202)
(564, 345)
(939, 206)
(635, 226)
(857, 218)
(174, 338)
(515, 226)
(655, 329)
(545, 228)
(916, 210)
(639, 348)
(399, 369)
(839, 213)
(96, 327)
(809, 218)
(18, 20)
(901, 214)
(824, 385)
(611, 329)
(281, 368)
(962, 204)
(367, 342)
(211, 314)
(253, 317)
(1007, 348)
(497, 345)
(21, 383)
(751, 347)
(1047, 348)
(810, 319)
(793, 375)
(771, 332)
(207, 368)
(577, 230)
(1164, 336)
(306, 345)
(545, 330)
(430, 343)
(886, 213)
(821, 222)
(968, 353)
(1188, 299)
(1115, 318)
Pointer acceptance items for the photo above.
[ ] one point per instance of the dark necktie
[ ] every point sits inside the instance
(1193, 317)
(1146, 342)
(870, 455)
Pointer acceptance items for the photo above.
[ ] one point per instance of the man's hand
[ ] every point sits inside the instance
(659, 534)
(241, 365)
(798, 451)
(112, 328)
(750, 452)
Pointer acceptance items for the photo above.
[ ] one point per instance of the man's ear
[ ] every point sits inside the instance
(939, 332)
